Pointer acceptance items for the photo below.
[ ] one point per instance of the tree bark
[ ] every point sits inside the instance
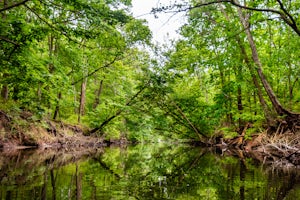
(292, 119)
(13, 5)
(275, 102)
(263, 103)
(82, 99)
(245, 57)
(56, 112)
(98, 94)
(4, 89)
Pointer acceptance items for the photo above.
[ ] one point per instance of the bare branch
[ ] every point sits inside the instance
(235, 3)
(210, 3)
(285, 16)
(96, 70)
(283, 13)
(13, 5)
(55, 28)
(286, 12)
(128, 103)
(8, 40)
(289, 18)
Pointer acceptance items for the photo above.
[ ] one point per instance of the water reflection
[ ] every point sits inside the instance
(141, 172)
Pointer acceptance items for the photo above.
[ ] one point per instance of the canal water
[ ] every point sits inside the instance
(152, 171)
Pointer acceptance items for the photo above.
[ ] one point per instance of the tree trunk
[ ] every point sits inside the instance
(4, 89)
(56, 112)
(82, 99)
(275, 102)
(263, 103)
(240, 107)
(245, 57)
(291, 118)
(98, 94)
(51, 52)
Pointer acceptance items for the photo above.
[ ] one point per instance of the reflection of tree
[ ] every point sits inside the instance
(53, 184)
(78, 183)
(147, 172)
(44, 188)
(168, 175)
(242, 179)
(105, 166)
(288, 184)
(285, 182)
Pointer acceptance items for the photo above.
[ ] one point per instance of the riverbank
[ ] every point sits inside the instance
(276, 149)
(22, 132)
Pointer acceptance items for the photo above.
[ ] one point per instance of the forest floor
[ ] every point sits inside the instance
(21, 132)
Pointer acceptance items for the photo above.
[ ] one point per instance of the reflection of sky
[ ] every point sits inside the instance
(164, 27)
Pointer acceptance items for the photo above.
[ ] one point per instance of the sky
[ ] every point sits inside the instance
(165, 26)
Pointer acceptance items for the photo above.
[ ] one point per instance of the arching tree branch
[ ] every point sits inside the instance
(13, 5)
(96, 70)
(283, 13)
(54, 28)
(8, 40)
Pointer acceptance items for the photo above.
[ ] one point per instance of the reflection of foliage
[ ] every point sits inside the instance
(156, 171)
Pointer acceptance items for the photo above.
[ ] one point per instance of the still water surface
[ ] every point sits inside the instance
(156, 171)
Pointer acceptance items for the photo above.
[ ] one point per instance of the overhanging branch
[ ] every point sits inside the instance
(13, 5)
(283, 13)
(96, 70)
(9, 41)
(55, 28)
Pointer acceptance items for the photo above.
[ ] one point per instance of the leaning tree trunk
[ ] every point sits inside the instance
(292, 119)
(245, 57)
(261, 98)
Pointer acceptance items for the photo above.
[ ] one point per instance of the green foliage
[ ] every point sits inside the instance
(82, 62)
